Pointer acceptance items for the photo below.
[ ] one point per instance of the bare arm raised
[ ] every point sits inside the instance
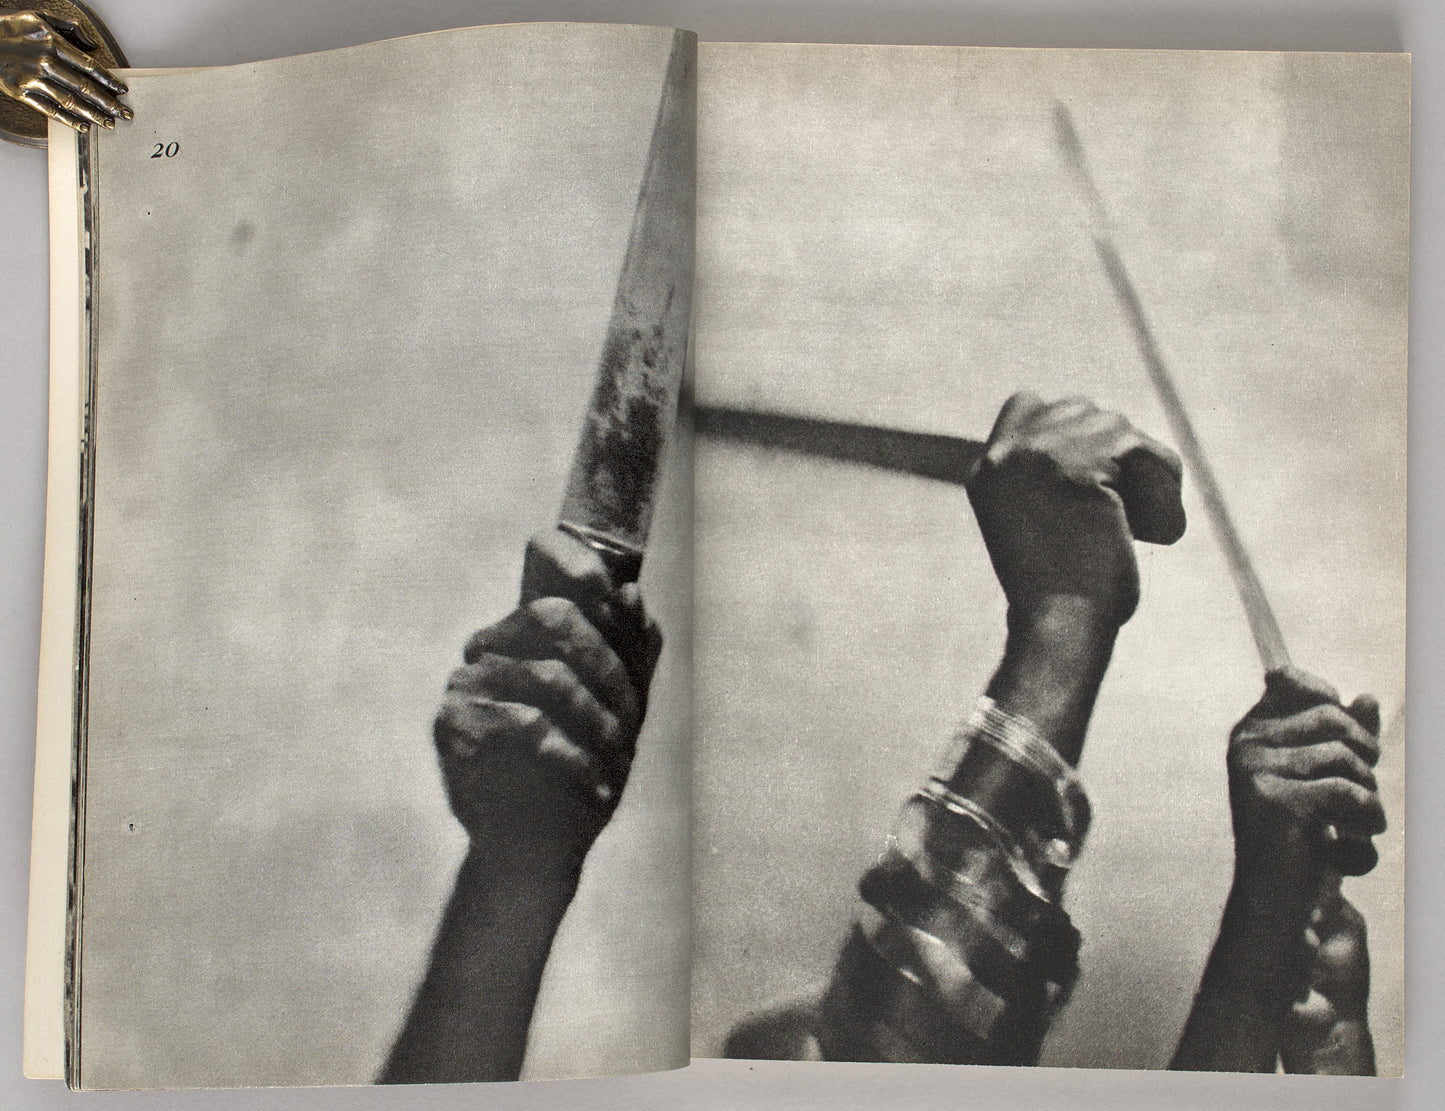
(1300, 764)
(961, 951)
(536, 737)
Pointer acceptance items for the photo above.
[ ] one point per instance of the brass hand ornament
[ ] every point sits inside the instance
(54, 65)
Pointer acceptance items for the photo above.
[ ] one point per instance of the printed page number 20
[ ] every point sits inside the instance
(166, 150)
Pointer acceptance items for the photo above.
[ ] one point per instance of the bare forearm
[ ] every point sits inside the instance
(471, 1015)
(1052, 668)
(957, 957)
(1245, 993)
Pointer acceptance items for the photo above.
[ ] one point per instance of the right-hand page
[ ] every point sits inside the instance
(979, 774)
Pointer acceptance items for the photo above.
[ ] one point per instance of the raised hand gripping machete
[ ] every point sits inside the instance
(612, 487)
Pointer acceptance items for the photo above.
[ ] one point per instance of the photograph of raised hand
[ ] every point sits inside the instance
(1305, 804)
(536, 737)
(1226, 269)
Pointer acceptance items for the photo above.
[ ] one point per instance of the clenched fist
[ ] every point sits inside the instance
(1300, 765)
(538, 729)
(1060, 492)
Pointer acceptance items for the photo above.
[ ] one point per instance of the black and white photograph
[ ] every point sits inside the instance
(995, 255)
(786, 571)
(340, 377)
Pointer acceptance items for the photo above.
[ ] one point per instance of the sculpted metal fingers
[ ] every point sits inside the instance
(44, 63)
(1059, 493)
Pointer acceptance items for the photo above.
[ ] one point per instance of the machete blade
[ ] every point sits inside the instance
(612, 486)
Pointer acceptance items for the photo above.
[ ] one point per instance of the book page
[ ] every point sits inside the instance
(349, 313)
(893, 238)
(44, 1054)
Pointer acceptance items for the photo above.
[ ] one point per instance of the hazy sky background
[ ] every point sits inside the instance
(889, 234)
(884, 234)
(348, 334)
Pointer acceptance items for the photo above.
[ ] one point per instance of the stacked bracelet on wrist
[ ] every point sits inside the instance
(963, 952)
(1009, 780)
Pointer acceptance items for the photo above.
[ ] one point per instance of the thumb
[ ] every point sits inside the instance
(1292, 690)
(1149, 486)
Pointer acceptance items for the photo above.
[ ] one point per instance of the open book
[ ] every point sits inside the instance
(324, 345)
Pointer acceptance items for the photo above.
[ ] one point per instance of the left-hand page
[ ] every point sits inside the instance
(347, 317)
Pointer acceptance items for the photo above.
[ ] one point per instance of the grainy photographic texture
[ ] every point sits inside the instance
(348, 333)
(326, 426)
(893, 236)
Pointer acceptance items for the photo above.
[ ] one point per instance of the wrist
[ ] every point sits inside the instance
(1263, 937)
(1054, 661)
(1269, 899)
(527, 862)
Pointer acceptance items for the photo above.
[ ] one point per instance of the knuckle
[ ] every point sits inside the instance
(1274, 790)
(554, 675)
(529, 718)
(609, 729)
(555, 615)
(449, 733)
(1332, 721)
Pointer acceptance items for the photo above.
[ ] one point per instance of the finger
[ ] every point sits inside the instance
(1341, 969)
(1321, 761)
(557, 748)
(1343, 937)
(552, 687)
(627, 606)
(92, 92)
(1319, 725)
(491, 737)
(1353, 810)
(556, 628)
(1366, 711)
(466, 726)
(1314, 1013)
(636, 638)
(70, 102)
(1153, 494)
(72, 31)
(54, 111)
(1149, 480)
(1145, 473)
(86, 65)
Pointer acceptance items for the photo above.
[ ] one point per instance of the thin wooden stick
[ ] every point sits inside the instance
(1268, 639)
